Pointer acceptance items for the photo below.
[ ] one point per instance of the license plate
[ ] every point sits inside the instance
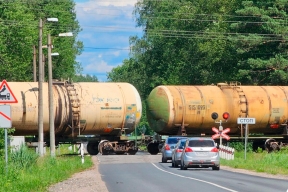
(202, 153)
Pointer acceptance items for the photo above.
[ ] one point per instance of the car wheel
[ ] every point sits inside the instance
(164, 160)
(182, 166)
(173, 164)
(216, 168)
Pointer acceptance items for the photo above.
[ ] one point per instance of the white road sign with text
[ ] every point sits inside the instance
(246, 120)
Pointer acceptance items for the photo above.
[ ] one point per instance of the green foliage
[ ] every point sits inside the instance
(273, 163)
(19, 29)
(2, 139)
(23, 158)
(197, 43)
(40, 174)
(240, 146)
(84, 78)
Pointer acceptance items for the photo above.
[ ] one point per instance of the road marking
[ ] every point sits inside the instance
(210, 183)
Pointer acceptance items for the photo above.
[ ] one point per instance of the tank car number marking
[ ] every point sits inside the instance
(106, 100)
(277, 110)
(117, 108)
(197, 107)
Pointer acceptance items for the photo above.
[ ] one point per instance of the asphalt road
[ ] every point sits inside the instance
(144, 172)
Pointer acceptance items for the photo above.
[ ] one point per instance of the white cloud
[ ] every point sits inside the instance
(107, 26)
(99, 67)
(95, 63)
(116, 3)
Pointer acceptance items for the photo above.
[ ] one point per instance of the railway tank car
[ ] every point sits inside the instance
(101, 113)
(186, 110)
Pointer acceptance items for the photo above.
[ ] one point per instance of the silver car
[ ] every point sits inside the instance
(177, 151)
(200, 152)
(167, 148)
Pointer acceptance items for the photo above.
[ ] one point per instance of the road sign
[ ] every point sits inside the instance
(6, 95)
(5, 116)
(246, 120)
(220, 133)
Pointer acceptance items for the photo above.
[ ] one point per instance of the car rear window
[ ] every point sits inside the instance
(201, 143)
(173, 140)
(182, 144)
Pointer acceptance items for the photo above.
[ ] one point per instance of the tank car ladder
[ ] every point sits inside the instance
(75, 105)
(243, 105)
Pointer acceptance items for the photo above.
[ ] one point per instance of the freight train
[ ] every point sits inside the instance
(187, 110)
(98, 113)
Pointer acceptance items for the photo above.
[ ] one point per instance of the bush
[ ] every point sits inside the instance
(240, 146)
(24, 157)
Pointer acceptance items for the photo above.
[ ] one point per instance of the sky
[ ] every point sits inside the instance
(106, 28)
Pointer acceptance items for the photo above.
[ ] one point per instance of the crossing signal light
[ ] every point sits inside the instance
(214, 115)
(226, 115)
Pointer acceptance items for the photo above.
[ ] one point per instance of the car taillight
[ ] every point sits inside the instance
(167, 147)
(214, 149)
(188, 149)
(179, 150)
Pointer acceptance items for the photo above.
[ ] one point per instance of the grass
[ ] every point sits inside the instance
(261, 161)
(28, 172)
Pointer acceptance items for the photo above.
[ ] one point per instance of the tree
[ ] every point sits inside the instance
(85, 78)
(19, 32)
(261, 42)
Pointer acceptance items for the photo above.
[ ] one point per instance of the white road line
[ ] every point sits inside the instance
(196, 179)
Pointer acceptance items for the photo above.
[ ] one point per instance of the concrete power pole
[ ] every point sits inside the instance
(40, 95)
(34, 64)
(50, 90)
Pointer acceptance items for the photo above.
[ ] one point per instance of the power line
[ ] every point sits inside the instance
(105, 48)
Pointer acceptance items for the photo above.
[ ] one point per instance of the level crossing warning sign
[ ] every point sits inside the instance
(220, 133)
(6, 95)
(5, 116)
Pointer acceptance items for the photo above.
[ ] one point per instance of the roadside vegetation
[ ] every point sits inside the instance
(26, 171)
(259, 161)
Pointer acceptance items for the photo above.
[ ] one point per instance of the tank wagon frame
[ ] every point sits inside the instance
(98, 113)
(186, 110)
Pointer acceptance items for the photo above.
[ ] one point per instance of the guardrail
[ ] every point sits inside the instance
(226, 152)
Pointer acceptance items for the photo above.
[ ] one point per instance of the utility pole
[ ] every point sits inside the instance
(43, 64)
(50, 90)
(40, 95)
(34, 64)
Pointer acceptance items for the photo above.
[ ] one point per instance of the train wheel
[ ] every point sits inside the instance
(153, 148)
(92, 147)
(132, 151)
(271, 145)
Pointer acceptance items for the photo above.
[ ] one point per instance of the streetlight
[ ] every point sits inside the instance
(50, 91)
(40, 93)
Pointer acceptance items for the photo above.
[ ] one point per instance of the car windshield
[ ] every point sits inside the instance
(201, 143)
(173, 140)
